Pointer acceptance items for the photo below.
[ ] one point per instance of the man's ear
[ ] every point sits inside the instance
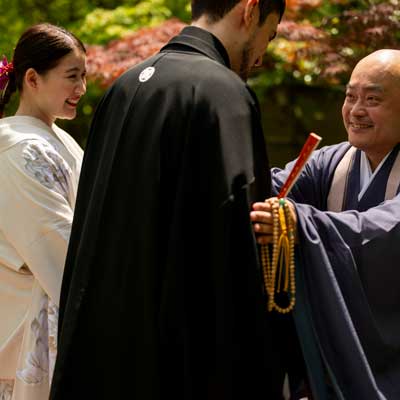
(31, 78)
(250, 12)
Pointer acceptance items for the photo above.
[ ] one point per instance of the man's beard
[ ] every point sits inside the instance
(245, 68)
(245, 65)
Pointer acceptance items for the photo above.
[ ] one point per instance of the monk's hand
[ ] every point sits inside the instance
(261, 216)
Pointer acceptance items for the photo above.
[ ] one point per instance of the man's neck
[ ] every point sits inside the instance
(223, 30)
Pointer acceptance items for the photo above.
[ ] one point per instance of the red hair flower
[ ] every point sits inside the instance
(5, 69)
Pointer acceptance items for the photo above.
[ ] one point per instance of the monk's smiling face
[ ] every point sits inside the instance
(371, 110)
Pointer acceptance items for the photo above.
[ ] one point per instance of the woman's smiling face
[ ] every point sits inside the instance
(60, 89)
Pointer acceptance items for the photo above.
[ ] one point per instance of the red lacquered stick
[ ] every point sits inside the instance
(309, 146)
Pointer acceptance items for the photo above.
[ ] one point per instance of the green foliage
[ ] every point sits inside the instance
(321, 41)
(179, 9)
(100, 26)
(94, 21)
(311, 60)
(17, 15)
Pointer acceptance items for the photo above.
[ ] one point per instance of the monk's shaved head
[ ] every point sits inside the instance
(384, 62)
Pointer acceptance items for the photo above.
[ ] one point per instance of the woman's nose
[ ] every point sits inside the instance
(81, 88)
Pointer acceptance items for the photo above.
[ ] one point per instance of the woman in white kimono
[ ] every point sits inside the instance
(39, 170)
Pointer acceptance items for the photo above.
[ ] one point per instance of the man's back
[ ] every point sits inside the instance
(162, 291)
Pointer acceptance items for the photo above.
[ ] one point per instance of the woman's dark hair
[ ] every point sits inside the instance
(217, 9)
(40, 47)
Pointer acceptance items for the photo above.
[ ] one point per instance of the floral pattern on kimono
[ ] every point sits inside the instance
(37, 362)
(6, 389)
(39, 174)
(44, 163)
(52, 339)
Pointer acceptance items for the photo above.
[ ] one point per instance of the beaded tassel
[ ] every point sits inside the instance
(282, 262)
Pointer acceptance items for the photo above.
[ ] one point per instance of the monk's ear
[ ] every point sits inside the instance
(251, 12)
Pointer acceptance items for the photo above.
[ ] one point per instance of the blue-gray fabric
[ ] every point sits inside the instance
(349, 297)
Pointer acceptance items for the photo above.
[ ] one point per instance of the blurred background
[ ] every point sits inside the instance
(300, 85)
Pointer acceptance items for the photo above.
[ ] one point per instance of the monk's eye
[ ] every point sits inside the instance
(350, 97)
(373, 100)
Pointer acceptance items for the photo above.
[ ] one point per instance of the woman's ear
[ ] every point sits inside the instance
(31, 78)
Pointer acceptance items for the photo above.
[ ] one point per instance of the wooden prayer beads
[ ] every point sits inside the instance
(282, 262)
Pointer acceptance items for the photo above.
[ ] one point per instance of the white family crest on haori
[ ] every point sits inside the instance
(146, 74)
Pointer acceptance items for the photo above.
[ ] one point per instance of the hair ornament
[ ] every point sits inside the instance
(6, 69)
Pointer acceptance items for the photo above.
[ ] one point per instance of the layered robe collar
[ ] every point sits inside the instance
(201, 41)
(375, 194)
(15, 129)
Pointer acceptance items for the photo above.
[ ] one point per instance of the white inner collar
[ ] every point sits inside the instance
(366, 174)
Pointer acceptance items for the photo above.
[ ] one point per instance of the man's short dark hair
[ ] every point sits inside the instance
(217, 9)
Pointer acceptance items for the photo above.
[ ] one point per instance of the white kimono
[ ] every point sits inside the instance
(39, 171)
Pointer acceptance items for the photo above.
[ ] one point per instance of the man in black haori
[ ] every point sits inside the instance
(163, 294)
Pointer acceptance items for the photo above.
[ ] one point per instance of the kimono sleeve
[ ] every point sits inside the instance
(35, 209)
(349, 267)
(360, 228)
(312, 186)
(304, 189)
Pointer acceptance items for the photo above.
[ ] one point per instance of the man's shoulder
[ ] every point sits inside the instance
(185, 69)
(184, 80)
(212, 80)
